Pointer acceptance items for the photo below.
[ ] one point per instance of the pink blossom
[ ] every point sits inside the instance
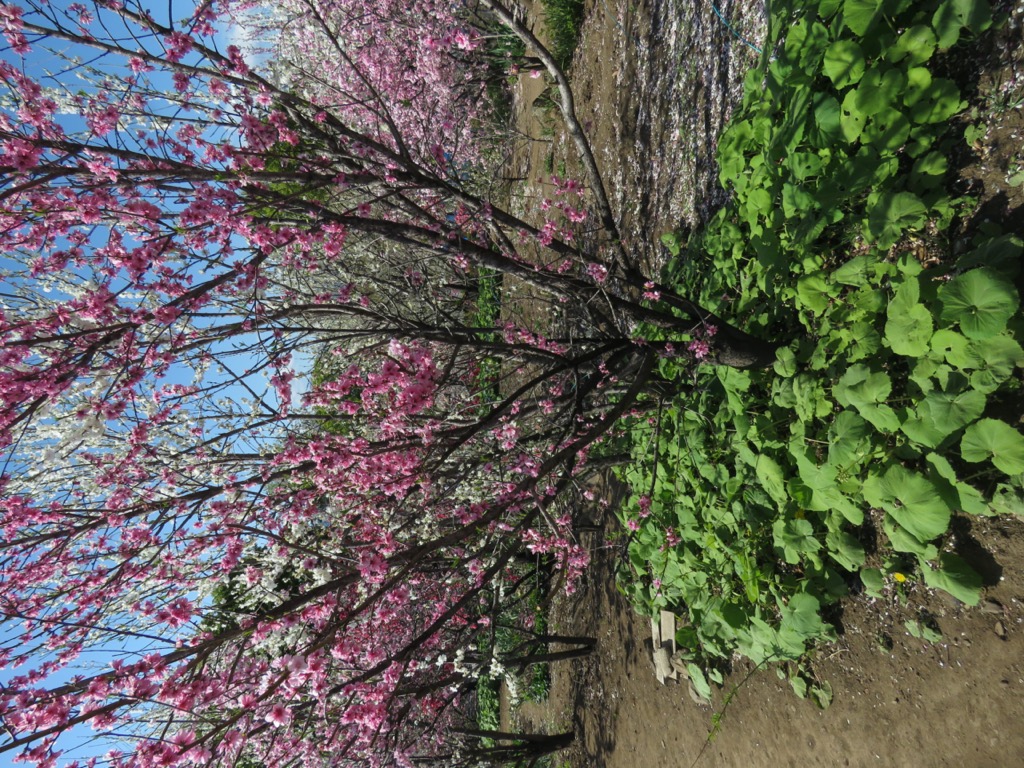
(278, 716)
(645, 505)
(699, 348)
(177, 45)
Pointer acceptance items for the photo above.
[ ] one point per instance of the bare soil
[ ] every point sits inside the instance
(655, 82)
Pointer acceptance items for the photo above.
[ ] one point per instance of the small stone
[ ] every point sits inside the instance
(1000, 629)
(991, 606)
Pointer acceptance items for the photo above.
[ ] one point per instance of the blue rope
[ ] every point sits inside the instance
(728, 26)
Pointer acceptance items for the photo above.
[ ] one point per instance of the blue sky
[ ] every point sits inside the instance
(51, 70)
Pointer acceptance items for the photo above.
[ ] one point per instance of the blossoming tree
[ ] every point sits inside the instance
(250, 464)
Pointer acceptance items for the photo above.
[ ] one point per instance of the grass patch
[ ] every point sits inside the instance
(563, 20)
(761, 498)
(486, 315)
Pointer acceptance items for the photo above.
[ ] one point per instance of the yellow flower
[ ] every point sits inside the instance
(899, 577)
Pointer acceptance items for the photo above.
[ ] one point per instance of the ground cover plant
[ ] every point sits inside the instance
(762, 497)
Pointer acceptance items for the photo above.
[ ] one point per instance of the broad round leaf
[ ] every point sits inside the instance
(936, 103)
(826, 119)
(851, 119)
(956, 577)
(909, 326)
(887, 130)
(1001, 355)
(912, 500)
(915, 46)
(952, 410)
(861, 14)
(893, 214)
(981, 301)
(844, 63)
(991, 438)
(879, 89)
(772, 480)
(873, 581)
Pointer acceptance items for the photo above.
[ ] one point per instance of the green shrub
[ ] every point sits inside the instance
(762, 497)
(563, 19)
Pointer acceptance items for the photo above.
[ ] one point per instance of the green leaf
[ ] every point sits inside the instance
(954, 408)
(672, 241)
(851, 119)
(849, 441)
(923, 430)
(968, 499)
(826, 119)
(1008, 500)
(887, 130)
(759, 201)
(845, 550)
(932, 164)
(801, 622)
(804, 164)
(795, 538)
(922, 631)
(805, 43)
(816, 487)
(1000, 254)
(700, 683)
(867, 391)
(822, 694)
(909, 326)
(933, 103)
(981, 301)
(873, 581)
(953, 347)
(857, 271)
(991, 438)
(860, 385)
(892, 214)
(956, 577)
(844, 63)
(772, 480)
(912, 500)
(947, 25)
(953, 15)
(914, 46)
(814, 292)
(879, 88)
(785, 362)
(799, 686)
(809, 398)
(902, 540)
(859, 15)
(797, 202)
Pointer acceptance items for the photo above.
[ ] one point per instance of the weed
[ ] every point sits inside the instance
(750, 494)
(563, 19)
(1015, 172)
(549, 161)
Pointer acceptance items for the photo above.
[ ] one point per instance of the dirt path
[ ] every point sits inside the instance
(655, 81)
